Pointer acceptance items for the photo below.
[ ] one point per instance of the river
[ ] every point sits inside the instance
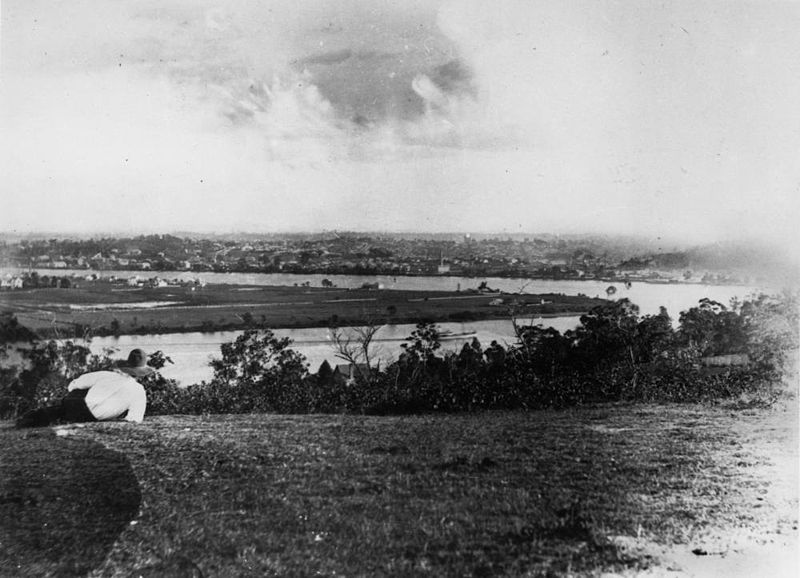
(676, 297)
(190, 352)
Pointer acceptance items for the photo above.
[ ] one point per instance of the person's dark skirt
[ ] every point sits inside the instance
(71, 409)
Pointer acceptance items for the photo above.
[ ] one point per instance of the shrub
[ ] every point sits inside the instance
(258, 372)
(49, 367)
(613, 355)
(164, 396)
(52, 365)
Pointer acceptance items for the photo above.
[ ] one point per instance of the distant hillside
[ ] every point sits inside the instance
(752, 259)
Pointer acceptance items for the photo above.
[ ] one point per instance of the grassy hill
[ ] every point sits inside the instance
(624, 489)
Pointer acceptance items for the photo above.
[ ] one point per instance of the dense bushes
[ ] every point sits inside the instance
(613, 355)
(164, 397)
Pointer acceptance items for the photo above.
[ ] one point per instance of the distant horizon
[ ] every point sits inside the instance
(389, 232)
(752, 256)
(652, 242)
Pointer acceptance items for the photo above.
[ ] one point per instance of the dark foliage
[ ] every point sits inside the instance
(258, 372)
(46, 368)
(613, 355)
(164, 397)
(11, 331)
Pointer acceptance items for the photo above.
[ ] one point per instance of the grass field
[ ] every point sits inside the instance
(609, 489)
(98, 304)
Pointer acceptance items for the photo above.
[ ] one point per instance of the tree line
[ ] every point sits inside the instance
(614, 354)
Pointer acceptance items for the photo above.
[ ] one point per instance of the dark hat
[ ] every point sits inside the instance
(136, 365)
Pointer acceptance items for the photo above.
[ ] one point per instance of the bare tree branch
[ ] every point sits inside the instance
(355, 345)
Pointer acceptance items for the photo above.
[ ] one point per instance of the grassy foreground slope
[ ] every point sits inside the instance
(625, 489)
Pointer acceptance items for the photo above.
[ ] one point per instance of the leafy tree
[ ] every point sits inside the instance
(772, 324)
(50, 366)
(544, 350)
(713, 329)
(12, 332)
(257, 372)
(423, 343)
(470, 356)
(254, 354)
(607, 334)
(495, 356)
(164, 396)
(157, 360)
(325, 372)
(654, 335)
(30, 280)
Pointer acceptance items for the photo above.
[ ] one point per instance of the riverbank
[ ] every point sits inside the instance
(103, 308)
(669, 277)
(679, 490)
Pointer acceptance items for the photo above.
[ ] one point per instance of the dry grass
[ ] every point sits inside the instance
(619, 489)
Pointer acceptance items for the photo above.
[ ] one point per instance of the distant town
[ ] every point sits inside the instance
(334, 253)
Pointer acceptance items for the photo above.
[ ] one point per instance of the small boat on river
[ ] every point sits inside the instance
(446, 334)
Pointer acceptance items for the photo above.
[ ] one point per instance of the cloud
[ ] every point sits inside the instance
(466, 114)
(454, 76)
(450, 119)
(427, 90)
(327, 58)
(260, 64)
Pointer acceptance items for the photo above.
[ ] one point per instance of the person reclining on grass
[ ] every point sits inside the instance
(99, 396)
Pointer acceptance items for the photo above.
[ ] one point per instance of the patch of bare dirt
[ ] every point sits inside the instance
(767, 542)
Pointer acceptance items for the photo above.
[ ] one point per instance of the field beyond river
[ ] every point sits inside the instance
(103, 307)
(668, 490)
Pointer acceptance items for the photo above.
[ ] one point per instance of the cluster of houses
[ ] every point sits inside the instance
(9, 282)
(320, 253)
(349, 253)
(155, 282)
(12, 281)
(131, 259)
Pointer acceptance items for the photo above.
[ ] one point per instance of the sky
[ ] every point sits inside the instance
(675, 119)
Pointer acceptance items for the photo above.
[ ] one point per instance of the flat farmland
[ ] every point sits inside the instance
(106, 308)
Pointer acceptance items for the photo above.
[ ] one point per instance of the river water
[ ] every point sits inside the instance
(191, 352)
(648, 296)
